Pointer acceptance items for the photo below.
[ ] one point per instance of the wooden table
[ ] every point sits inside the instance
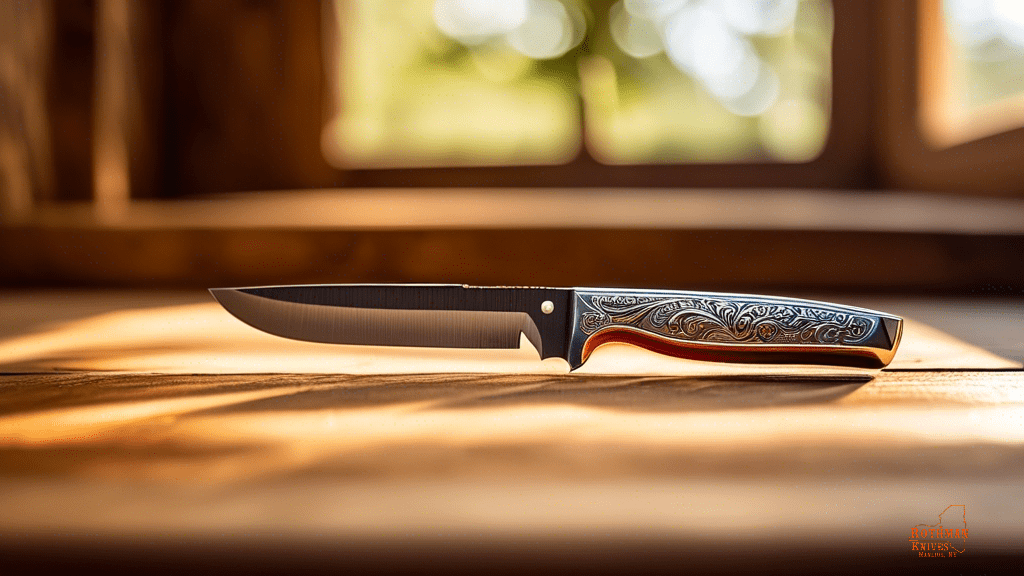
(150, 430)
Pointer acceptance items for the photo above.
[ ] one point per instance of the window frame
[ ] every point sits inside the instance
(990, 165)
(844, 162)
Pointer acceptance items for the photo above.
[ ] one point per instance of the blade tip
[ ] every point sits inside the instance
(218, 293)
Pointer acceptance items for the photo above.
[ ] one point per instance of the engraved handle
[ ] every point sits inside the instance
(733, 328)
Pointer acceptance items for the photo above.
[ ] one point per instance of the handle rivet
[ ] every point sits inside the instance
(547, 307)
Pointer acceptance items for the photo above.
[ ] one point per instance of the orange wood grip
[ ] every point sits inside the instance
(860, 357)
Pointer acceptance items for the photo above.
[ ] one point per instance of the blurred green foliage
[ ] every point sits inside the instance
(409, 96)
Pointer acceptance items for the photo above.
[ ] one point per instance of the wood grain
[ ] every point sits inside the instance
(736, 260)
(390, 467)
(399, 454)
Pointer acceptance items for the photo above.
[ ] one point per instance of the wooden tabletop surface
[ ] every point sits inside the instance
(155, 419)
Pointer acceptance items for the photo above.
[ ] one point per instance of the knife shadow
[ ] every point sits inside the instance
(632, 393)
(678, 394)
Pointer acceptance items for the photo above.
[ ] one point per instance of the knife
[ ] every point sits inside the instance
(569, 323)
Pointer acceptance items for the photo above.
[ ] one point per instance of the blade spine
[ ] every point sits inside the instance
(394, 284)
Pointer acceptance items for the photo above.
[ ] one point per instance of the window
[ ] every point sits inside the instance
(971, 65)
(439, 83)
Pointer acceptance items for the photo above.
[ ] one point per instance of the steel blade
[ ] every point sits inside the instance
(431, 315)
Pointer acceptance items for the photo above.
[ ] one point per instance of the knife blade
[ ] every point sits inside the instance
(570, 323)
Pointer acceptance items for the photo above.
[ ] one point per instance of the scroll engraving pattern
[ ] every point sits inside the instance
(727, 320)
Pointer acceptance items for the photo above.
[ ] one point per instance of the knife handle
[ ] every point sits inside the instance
(733, 328)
